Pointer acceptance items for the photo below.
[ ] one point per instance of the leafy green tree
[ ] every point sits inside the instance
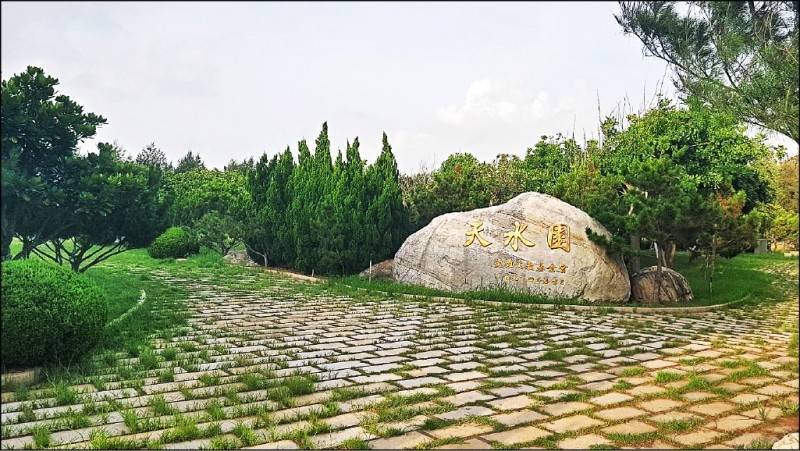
(737, 56)
(114, 207)
(244, 166)
(154, 157)
(219, 232)
(189, 162)
(192, 194)
(664, 176)
(40, 132)
(547, 161)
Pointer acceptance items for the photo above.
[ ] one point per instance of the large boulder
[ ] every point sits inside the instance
(650, 286)
(534, 243)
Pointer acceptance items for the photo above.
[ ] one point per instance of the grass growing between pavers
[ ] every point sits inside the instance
(255, 391)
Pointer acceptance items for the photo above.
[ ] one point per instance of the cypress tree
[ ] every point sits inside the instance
(387, 217)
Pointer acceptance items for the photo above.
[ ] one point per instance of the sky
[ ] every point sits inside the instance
(235, 80)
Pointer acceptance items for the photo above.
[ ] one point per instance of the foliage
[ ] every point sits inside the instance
(219, 232)
(189, 162)
(40, 133)
(113, 205)
(666, 177)
(49, 313)
(194, 193)
(153, 157)
(244, 166)
(740, 57)
(323, 216)
(175, 242)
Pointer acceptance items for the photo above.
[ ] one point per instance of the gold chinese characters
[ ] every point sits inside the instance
(515, 237)
(475, 233)
(530, 266)
(558, 237)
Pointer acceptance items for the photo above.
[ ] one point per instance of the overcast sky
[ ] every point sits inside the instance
(234, 80)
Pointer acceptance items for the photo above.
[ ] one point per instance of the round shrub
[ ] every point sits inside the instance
(175, 242)
(50, 314)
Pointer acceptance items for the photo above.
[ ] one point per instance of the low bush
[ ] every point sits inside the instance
(175, 242)
(49, 313)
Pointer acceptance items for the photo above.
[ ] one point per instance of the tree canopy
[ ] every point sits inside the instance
(737, 56)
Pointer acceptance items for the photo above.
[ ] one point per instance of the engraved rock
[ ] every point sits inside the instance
(534, 243)
(668, 286)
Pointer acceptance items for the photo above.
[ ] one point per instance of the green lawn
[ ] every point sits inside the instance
(760, 278)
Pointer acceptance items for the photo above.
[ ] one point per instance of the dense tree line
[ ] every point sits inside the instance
(325, 216)
(676, 178)
(670, 178)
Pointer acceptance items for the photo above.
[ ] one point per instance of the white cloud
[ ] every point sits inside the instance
(495, 101)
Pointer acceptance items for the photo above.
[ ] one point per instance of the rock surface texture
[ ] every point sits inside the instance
(651, 287)
(382, 270)
(790, 441)
(534, 243)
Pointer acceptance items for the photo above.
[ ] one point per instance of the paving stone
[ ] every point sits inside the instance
(407, 440)
(573, 423)
(748, 398)
(564, 408)
(610, 399)
(775, 390)
(644, 390)
(420, 381)
(745, 440)
(469, 397)
(629, 427)
(283, 444)
(519, 417)
(461, 430)
(660, 405)
(505, 392)
(712, 409)
(734, 423)
(517, 435)
(473, 443)
(330, 440)
(619, 413)
(466, 411)
(465, 376)
(692, 439)
(698, 396)
(583, 442)
(595, 376)
(769, 413)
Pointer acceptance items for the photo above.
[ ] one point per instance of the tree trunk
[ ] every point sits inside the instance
(635, 261)
(669, 254)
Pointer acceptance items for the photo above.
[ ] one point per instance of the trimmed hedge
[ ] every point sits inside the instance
(175, 242)
(50, 314)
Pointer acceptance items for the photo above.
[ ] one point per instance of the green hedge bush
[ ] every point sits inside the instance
(175, 242)
(50, 314)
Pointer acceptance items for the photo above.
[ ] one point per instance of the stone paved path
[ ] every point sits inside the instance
(296, 367)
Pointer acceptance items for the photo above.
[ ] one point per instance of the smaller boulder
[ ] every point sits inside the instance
(239, 258)
(382, 270)
(651, 286)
